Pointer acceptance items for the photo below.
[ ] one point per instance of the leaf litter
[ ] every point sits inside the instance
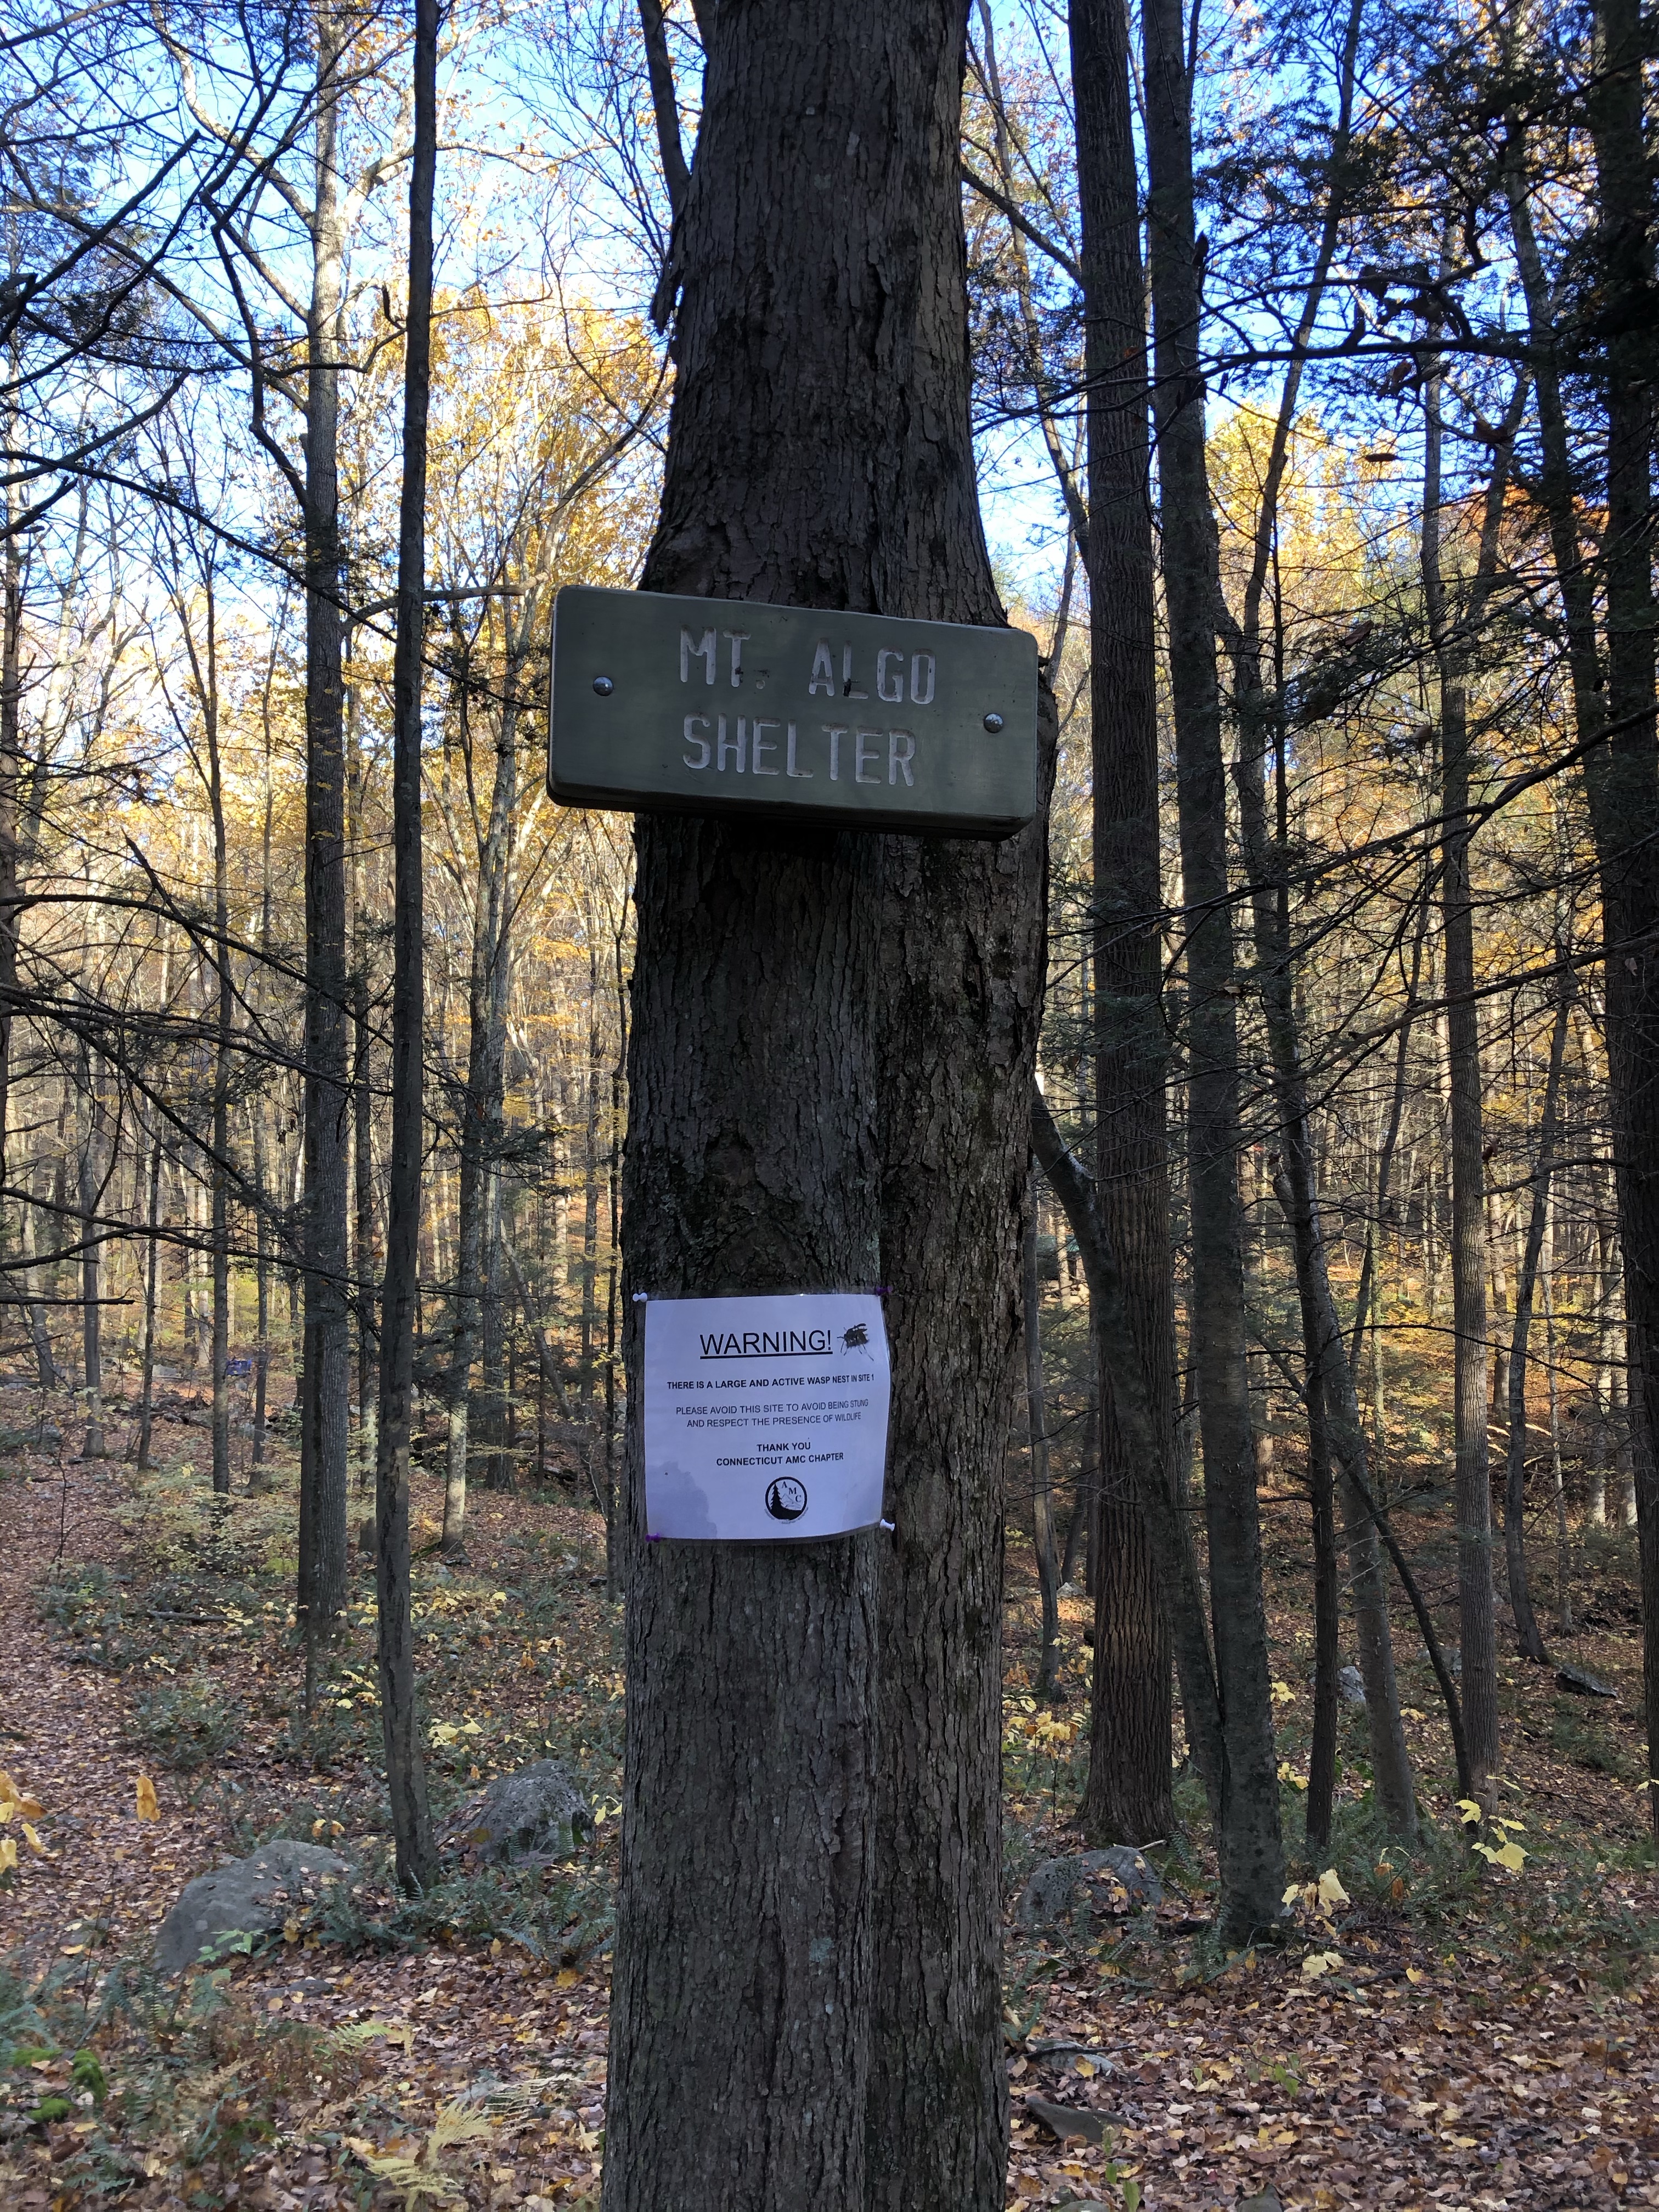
(1440, 2030)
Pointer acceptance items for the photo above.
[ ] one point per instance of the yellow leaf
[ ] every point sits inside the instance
(144, 1790)
(1283, 1694)
(1086, 2067)
(1331, 1891)
(1318, 1964)
(1512, 1856)
(1470, 1812)
(34, 1842)
(565, 1979)
(8, 1854)
(1415, 1974)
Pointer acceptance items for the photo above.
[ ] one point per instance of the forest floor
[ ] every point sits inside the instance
(1449, 2033)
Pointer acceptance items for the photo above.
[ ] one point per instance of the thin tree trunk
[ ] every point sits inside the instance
(1622, 785)
(205, 671)
(363, 1140)
(1158, 1486)
(1528, 1640)
(481, 1123)
(326, 1390)
(590, 1186)
(1331, 1375)
(1087, 1494)
(262, 1280)
(411, 1826)
(1327, 1631)
(1127, 1795)
(1036, 1421)
(1476, 1617)
(92, 1363)
(11, 740)
(1249, 1841)
(1557, 1487)
(152, 1255)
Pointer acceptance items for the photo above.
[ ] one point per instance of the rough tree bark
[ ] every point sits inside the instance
(821, 454)
(744, 1966)
(1127, 1799)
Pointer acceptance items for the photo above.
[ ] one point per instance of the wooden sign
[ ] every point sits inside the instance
(695, 705)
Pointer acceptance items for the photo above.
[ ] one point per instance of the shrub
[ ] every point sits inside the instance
(187, 1724)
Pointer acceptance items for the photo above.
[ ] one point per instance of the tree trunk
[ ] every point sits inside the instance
(362, 1165)
(152, 1253)
(1249, 1841)
(327, 1355)
(1159, 1486)
(493, 1344)
(1473, 1485)
(262, 1294)
(1036, 1425)
(411, 1826)
(1557, 1487)
(207, 673)
(1126, 1798)
(1086, 1496)
(1622, 783)
(1327, 1628)
(590, 1186)
(482, 1124)
(90, 1185)
(1330, 1374)
(1528, 1640)
(11, 700)
(1333, 1403)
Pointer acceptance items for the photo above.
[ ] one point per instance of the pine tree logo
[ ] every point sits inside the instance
(785, 1498)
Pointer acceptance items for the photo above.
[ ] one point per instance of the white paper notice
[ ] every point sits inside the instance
(764, 1418)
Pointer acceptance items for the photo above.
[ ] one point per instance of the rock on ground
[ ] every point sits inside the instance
(1583, 1682)
(1351, 1686)
(1049, 1894)
(250, 1897)
(537, 1812)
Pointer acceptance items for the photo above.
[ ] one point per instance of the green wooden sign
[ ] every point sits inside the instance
(728, 706)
